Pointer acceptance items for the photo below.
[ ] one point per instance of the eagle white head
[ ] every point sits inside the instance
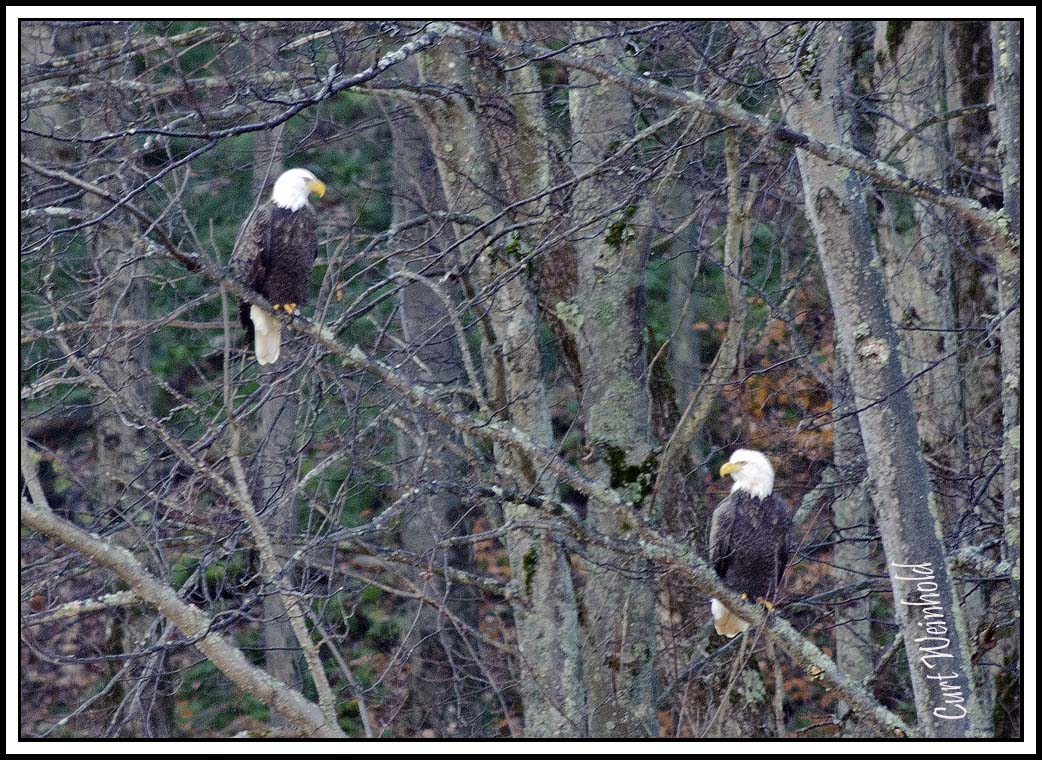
(751, 471)
(293, 187)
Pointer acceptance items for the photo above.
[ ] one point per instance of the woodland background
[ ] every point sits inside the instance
(565, 269)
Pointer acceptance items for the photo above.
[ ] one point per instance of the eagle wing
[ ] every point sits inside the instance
(783, 550)
(720, 529)
(250, 256)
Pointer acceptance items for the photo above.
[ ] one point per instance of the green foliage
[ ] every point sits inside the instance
(902, 210)
(621, 231)
(634, 481)
(708, 305)
(895, 32)
(348, 419)
(195, 60)
(351, 492)
(208, 702)
(182, 570)
(656, 288)
(370, 615)
(530, 565)
(226, 570)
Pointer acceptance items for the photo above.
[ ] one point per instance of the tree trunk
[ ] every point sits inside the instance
(853, 516)
(917, 247)
(276, 462)
(918, 244)
(124, 452)
(685, 364)
(1006, 51)
(620, 594)
(968, 72)
(275, 473)
(442, 697)
(1006, 46)
(908, 516)
(545, 613)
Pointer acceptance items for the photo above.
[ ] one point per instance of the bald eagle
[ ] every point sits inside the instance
(748, 537)
(274, 254)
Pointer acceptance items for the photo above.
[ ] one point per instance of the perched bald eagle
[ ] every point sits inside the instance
(274, 254)
(748, 537)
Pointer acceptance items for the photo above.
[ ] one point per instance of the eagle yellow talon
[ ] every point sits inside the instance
(766, 604)
(291, 308)
(745, 597)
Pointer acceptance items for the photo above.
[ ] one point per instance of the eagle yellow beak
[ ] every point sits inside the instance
(730, 467)
(318, 187)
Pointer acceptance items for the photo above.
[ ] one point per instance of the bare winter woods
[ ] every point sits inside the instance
(564, 270)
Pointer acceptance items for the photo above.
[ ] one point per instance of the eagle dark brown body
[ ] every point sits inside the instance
(749, 543)
(275, 254)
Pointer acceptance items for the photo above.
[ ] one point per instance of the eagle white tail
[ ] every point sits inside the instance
(267, 333)
(727, 623)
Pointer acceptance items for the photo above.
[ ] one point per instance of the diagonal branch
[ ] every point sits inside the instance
(657, 547)
(189, 619)
(991, 223)
(726, 360)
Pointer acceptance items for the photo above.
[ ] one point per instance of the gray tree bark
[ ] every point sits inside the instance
(685, 364)
(907, 510)
(274, 475)
(620, 594)
(441, 696)
(1006, 44)
(545, 613)
(276, 461)
(917, 247)
(918, 244)
(853, 515)
(124, 453)
(191, 621)
(969, 75)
